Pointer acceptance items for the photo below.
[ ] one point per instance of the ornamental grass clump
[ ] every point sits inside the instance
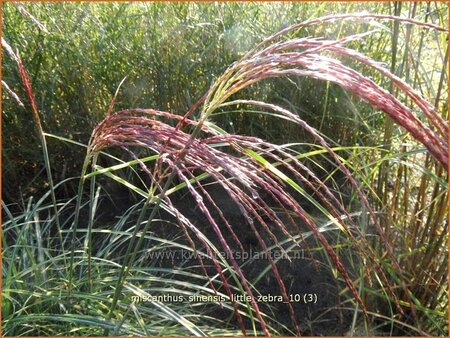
(248, 168)
(263, 180)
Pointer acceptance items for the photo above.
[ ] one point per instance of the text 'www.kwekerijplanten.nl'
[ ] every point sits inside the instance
(236, 255)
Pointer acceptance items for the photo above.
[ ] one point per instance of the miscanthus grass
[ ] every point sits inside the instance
(263, 180)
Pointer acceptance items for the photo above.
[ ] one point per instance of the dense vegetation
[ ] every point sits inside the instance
(130, 129)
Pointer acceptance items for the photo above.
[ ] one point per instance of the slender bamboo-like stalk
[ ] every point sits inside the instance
(41, 134)
(74, 245)
(92, 208)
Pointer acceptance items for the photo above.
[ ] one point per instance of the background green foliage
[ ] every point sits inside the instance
(170, 54)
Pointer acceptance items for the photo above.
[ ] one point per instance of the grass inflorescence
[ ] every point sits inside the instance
(314, 196)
